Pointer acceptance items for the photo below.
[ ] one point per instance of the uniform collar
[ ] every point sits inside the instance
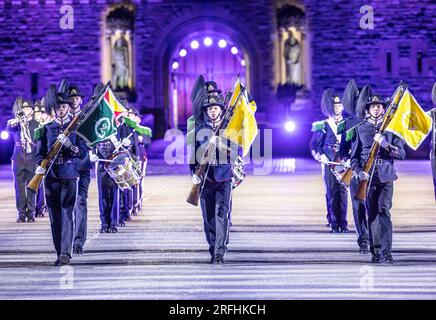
(63, 120)
(375, 121)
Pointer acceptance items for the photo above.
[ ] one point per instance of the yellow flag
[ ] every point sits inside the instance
(410, 122)
(242, 128)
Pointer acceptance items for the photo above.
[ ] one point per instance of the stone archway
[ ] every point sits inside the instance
(182, 28)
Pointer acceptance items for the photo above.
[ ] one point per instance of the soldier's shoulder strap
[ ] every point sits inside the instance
(351, 133)
(318, 126)
(37, 134)
(342, 127)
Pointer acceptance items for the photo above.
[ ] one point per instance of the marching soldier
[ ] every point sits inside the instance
(433, 140)
(41, 206)
(84, 167)
(23, 128)
(325, 147)
(215, 196)
(130, 143)
(349, 101)
(380, 189)
(61, 178)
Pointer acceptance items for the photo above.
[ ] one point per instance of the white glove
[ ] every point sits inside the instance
(379, 138)
(13, 122)
(346, 164)
(196, 179)
(323, 159)
(40, 170)
(64, 140)
(126, 142)
(214, 139)
(316, 155)
(140, 139)
(93, 157)
(363, 175)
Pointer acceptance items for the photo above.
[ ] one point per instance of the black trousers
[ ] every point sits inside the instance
(359, 214)
(81, 209)
(215, 205)
(378, 205)
(108, 198)
(336, 198)
(433, 169)
(61, 198)
(25, 201)
(126, 204)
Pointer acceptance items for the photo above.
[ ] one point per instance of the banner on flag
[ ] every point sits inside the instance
(410, 122)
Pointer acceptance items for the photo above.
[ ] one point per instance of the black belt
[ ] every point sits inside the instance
(60, 160)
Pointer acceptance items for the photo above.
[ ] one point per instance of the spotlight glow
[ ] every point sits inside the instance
(290, 126)
(222, 43)
(183, 52)
(243, 62)
(234, 50)
(4, 135)
(175, 65)
(194, 44)
(207, 41)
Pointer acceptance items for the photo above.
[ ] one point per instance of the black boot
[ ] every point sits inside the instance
(375, 258)
(104, 229)
(113, 229)
(387, 258)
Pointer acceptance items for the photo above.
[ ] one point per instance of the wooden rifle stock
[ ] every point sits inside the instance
(363, 184)
(194, 194)
(346, 178)
(34, 184)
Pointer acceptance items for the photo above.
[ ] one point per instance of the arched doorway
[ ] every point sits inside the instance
(168, 45)
(214, 55)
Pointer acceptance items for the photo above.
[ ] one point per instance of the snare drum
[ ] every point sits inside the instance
(125, 171)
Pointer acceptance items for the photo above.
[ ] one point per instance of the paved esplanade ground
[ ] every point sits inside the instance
(279, 247)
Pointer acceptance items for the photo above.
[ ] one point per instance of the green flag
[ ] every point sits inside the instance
(143, 131)
(98, 124)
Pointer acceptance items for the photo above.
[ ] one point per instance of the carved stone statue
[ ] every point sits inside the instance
(120, 64)
(292, 55)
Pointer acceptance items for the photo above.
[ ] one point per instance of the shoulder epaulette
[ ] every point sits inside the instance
(318, 126)
(342, 127)
(37, 134)
(352, 132)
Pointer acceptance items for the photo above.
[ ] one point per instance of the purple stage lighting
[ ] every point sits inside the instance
(207, 41)
(222, 43)
(183, 52)
(194, 44)
(4, 135)
(175, 65)
(234, 50)
(290, 126)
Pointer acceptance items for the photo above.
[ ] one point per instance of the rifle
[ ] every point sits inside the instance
(201, 171)
(346, 177)
(363, 184)
(34, 184)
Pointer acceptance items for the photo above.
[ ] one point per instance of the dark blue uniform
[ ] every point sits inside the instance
(142, 154)
(127, 196)
(23, 166)
(325, 141)
(108, 192)
(359, 210)
(215, 198)
(61, 184)
(433, 150)
(381, 187)
(84, 167)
